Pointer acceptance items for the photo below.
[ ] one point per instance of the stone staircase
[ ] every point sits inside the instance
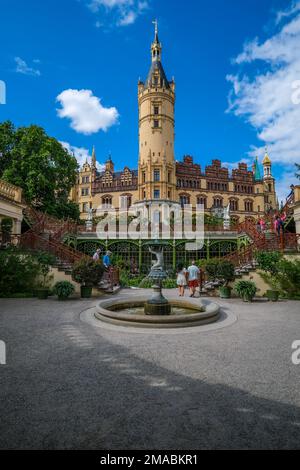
(210, 287)
(47, 234)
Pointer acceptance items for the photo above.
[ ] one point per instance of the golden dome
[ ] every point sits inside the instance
(266, 160)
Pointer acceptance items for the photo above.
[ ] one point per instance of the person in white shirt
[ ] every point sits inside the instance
(193, 276)
(96, 256)
(181, 279)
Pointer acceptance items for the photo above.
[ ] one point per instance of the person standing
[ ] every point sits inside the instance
(193, 276)
(181, 279)
(106, 259)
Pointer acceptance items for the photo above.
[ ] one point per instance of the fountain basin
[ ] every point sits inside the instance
(184, 313)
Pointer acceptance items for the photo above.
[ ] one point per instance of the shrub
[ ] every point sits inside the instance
(219, 269)
(45, 260)
(63, 289)
(268, 261)
(18, 272)
(88, 272)
(288, 278)
(225, 271)
(211, 268)
(245, 289)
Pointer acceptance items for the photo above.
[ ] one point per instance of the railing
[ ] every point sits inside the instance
(14, 193)
(42, 222)
(33, 241)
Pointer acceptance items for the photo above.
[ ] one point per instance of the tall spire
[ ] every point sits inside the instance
(156, 45)
(256, 170)
(94, 161)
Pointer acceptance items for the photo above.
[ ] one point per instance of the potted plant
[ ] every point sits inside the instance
(63, 290)
(87, 273)
(246, 290)
(45, 260)
(225, 271)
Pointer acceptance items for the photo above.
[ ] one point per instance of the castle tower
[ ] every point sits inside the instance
(109, 165)
(269, 183)
(156, 100)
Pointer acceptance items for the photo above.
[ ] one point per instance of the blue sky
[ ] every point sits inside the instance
(72, 66)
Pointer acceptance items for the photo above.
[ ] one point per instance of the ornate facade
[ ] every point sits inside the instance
(160, 177)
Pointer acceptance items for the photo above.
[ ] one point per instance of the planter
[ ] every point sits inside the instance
(86, 292)
(272, 295)
(248, 298)
(225, 292)
(42, 293)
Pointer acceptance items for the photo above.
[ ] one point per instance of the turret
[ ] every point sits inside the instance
(156, 99)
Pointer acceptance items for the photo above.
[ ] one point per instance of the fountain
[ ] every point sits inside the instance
(158, 304)
(157, 312)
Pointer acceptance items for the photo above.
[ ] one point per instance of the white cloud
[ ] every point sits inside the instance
(22, 67)
(81, 154)
(265, 94)
(120, 12)
(85, 111)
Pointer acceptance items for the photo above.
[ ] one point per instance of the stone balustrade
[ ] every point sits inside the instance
(10, 191)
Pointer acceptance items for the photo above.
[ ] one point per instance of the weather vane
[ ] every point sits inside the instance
(155, 22)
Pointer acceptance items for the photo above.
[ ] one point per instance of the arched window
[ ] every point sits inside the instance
(107, 202)
(218, 202)
(184, 199)
(234, 205)
(202, 200)
(248, 205)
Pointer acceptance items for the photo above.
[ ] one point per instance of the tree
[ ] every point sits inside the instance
(40, 166)
(7, 140)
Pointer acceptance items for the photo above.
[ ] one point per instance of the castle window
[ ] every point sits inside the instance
(234, 205)
(84, 191)
(218, 202)
(85, 179)
(202, 200)
(156, 194)
(248, 206)
(156, 176)
(85, 207)
(144, 176)
(184, 199)
(156, 110)
(156, 124)
(107, 202)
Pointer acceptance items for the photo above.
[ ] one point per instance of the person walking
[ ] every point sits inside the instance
(96, 256)
(181, 279)
(193, 276)
(262, 225)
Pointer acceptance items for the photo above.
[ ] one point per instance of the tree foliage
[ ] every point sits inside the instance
(46, 172)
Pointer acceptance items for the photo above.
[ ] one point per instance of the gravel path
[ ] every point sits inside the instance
(69, 385)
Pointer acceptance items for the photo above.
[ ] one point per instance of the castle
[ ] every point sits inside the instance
(160, 177)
